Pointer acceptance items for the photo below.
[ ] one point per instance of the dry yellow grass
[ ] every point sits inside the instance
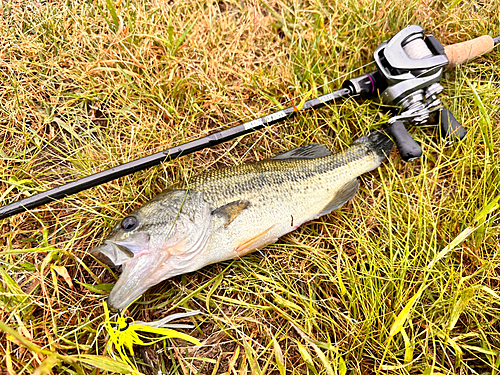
(82, 90)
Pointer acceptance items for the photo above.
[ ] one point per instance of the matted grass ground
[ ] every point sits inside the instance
(86, 85)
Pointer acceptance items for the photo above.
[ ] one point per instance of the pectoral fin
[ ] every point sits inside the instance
(231, 210)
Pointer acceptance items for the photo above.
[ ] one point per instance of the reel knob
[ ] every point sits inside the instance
(408, 148)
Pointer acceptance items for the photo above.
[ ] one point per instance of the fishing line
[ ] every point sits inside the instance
(193, 137)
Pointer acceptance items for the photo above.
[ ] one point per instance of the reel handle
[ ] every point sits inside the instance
(408, 148)
(451, 129)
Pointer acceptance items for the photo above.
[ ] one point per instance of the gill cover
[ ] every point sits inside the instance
(170, 232)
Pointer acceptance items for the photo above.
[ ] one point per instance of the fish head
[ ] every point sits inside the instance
(161, 239)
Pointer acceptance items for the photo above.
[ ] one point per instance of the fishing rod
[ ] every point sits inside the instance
(410, 66)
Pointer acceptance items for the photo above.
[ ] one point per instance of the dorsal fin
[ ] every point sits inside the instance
(310, 151)
(231, 210)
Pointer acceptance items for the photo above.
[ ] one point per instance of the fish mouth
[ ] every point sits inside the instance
(138, 265)
(146, 269)
(112, 254)
(116, 252)
(152, 266)
(139, 271)
(138, 275)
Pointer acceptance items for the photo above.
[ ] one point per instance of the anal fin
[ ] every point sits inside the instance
(345, 193)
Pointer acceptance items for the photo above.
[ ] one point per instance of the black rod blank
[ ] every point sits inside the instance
(169, 154)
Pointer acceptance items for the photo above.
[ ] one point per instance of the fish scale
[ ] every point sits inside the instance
(266, 173)
(227, 213)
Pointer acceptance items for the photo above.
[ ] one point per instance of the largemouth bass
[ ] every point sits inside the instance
(227, 213)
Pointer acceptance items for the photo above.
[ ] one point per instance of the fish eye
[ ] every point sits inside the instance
(129, 223)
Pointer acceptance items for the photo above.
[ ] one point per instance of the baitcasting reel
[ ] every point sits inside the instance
(410, 67)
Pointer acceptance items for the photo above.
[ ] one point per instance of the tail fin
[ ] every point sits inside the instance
(377, 141)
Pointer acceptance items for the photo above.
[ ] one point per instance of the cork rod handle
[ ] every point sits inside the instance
(462, 52)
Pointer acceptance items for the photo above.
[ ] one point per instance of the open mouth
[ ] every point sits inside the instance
(112, 254)
(138, 275)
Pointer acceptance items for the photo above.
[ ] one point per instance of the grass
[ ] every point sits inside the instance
(403, 279)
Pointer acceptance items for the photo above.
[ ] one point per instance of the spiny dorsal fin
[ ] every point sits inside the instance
(231, 210)
(310, 151)
(342, 197)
